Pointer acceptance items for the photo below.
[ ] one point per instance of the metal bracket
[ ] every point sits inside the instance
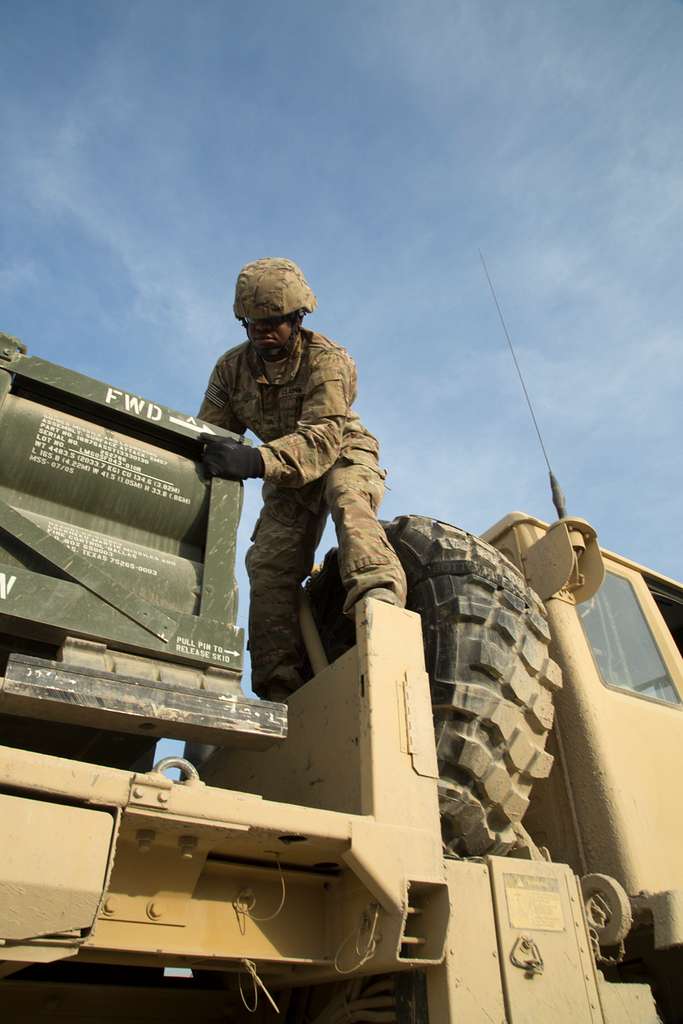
(419, 724)
(166, 879)
(526, 955)
(663, 910)
(153, 790)
(566, 558)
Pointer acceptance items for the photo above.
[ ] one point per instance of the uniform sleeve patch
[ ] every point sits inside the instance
(215, 394)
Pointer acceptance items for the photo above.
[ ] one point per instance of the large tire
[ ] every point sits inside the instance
(486, 647)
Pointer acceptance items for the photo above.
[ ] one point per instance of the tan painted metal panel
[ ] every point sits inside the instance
(467, 987)
(338, 866)
(622, 761)
(628, 1004)
(390, 647)
(539, 915)
(318, 764)
(53, 863)
(613, 804)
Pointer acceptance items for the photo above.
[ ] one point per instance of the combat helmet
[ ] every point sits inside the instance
(271, 287)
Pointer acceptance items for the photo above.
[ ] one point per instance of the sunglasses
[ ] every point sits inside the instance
(267, 322)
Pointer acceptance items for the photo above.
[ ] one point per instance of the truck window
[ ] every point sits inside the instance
(670, 603)
(622, 644)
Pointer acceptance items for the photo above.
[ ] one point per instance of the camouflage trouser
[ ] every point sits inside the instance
(281, 557)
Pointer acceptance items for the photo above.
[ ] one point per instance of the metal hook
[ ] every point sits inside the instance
(185, 767)
(526, 955)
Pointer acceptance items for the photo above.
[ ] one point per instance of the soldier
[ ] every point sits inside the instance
(295, 389)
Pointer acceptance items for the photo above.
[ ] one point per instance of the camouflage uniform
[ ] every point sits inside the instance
(318, 458)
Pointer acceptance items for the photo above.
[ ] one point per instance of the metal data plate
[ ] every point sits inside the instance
(545, 956)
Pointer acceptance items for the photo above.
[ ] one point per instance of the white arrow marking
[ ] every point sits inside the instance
(192, 424)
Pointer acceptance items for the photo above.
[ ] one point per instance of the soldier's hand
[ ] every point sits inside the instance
(229, 459)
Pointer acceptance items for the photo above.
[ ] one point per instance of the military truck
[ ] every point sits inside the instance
(468, 813)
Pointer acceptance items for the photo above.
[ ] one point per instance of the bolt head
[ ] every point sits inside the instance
(137, 792)
(109, 907)
(187, 845)
(162, 798)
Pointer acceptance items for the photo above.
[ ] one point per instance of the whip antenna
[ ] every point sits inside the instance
(555, 489)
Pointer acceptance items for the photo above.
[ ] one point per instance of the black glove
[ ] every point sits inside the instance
(231, 460)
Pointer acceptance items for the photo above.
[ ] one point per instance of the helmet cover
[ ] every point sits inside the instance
(271, 287)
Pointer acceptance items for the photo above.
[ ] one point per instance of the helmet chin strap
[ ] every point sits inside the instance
(297, 320)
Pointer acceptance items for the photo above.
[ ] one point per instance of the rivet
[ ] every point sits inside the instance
(138, 792)
(154, 910)
(162, 798)
(109, 906)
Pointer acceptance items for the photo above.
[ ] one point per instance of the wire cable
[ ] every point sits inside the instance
(556, 491)
(250, 967)
(367, 924)
(245, 901)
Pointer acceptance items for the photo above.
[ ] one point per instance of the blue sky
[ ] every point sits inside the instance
(151, 148)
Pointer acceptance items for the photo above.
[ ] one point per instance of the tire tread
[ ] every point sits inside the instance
(492, 681)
